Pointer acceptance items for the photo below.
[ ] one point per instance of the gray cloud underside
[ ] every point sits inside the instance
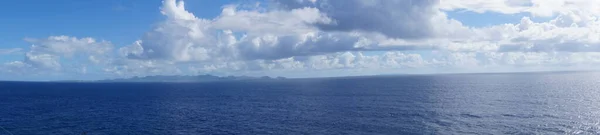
(407, 19)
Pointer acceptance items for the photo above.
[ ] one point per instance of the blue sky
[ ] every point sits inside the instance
(118, 21)
(97, 39)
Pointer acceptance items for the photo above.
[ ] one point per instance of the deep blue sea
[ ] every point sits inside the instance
(517, 103)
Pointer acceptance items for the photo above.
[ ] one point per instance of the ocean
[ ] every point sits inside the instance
(512, 103)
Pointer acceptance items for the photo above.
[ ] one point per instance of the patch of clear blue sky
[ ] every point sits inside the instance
(484, 19)
(475, 19)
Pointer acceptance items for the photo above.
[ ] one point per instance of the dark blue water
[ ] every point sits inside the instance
(531, 103)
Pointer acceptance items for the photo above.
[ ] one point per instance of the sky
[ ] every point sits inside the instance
(104, 39)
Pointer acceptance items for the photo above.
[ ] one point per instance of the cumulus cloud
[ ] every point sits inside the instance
(45, 55)
(561, 34)
(266, 35)
(182, 37)
(308, 64)
(408, 19)
(279, 22)
(330, 35)
(322, 35)
(42, 61)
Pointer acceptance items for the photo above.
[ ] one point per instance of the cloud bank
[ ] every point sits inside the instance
(358, 36)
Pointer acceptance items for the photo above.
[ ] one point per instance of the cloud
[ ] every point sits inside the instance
(561, 34)
(15, 67)
(318, 36)
(42, 61)
(278, 47)
(542, 8)
(10, 51)
(182, 37)
(317, 63)
(246, 35)
(69, 46)
(44, 55)
(278, 22)
(406, 19)
(482, 6)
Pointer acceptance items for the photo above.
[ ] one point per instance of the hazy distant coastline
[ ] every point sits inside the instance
(197, 78)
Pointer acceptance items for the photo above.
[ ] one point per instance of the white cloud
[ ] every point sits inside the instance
(15, 67)
(45, 55)
(555, 35)
(279, 22)
(10, 51)
(543, 8)
(182, 37)
(313, 36)
(246, 35)
(316, 35)
(69, 46)
(42, 61)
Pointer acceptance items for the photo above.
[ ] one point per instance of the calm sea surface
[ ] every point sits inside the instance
(524, 103)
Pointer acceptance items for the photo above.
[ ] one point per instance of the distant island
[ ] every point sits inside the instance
(197, 78)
